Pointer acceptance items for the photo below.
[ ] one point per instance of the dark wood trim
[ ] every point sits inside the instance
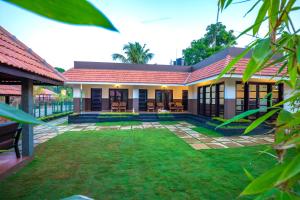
(110, 89)
(20, 75)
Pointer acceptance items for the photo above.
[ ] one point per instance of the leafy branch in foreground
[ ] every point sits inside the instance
(280, 47)
(79, 12)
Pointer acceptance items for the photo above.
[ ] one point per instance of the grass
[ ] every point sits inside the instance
(206, 131)
(120, 123)
(172, 122)
(134, 164)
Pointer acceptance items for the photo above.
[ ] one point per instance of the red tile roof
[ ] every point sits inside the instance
(159, 77)
(14, 53)
(216, 68)
(10, 90)
(125, 76)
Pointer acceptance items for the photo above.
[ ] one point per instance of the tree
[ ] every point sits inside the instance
(282, 39)
(134, 53)
(215, 39)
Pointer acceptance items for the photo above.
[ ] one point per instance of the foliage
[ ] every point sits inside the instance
(132, 164)
(220, 119)
(279, 47)
(14, 114)
(216, 38)
(79, 12)
(55, 116)
(134, 53)
(59, 69)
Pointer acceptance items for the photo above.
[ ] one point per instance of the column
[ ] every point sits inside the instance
(27, 106)
(135, 99)
(229, 98)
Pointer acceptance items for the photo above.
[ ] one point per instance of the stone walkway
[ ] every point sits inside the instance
(183, 130)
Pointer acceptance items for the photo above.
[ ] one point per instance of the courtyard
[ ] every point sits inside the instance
(149, 160)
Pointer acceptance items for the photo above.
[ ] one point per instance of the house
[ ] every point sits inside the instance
(99, 84)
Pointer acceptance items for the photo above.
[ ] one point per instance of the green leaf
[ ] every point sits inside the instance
(273, 12)
(261, 50)
(238, 117)
(298, 52)
(17, 115)
(292, 98)
(261, 15)
(260, 120)
(264, 182)
(234, 61)
(248, 174)
(79, 12)
(284, 117)
(292, 169)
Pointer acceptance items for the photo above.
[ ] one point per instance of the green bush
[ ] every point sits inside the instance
(220, 119)
(55, 116)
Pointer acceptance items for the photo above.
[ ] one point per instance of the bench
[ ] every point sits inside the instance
(9, 137)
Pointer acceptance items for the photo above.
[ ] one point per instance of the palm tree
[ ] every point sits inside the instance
(134, 53)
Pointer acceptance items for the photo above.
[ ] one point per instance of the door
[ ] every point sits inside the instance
(118, 95)
(96, 99)
(164, 96)
(143, 98)
(185, 101)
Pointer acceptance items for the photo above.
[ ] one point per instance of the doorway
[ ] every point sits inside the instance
(164, 96)
(96, 99)
(143, 98)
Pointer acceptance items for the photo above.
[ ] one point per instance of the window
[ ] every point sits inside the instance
(251, 96)
(211, 100)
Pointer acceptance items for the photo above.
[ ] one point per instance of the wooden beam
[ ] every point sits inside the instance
(19, 74)
(27, 129)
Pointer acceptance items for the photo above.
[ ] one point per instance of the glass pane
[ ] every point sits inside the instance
(240, 95)
(263, 88)
(221, 101)
(240, 87)
(252, 95)
(262, 94)
(252, 87)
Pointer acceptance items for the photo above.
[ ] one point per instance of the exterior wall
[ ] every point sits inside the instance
(133, 95)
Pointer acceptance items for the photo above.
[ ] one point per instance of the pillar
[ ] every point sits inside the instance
(27, 129)
(135, 100)
(229, 98)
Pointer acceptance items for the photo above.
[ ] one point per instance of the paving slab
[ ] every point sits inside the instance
(199, 146)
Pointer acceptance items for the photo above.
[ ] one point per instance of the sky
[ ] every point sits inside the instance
(166, 26)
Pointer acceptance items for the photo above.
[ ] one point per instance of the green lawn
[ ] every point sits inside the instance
(121, 123)
(134, 164)
(206, 131)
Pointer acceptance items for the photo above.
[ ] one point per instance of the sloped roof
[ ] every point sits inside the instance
(152, 74)
(15, 54)
(125, 76)
(10, 90)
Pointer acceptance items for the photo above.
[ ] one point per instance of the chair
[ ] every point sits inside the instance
(179, 106)
(159, 106)
(9, 136)
(122, 106)
(115, 106)
(172, 106)
(150, 107)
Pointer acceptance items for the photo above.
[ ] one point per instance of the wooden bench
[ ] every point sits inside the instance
(9, 137)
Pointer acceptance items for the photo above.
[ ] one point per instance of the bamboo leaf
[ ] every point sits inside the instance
(261, 15)
(260, 120)
(291, 170)
(298, 52)
(79, 12)
(238, 117)
(17, 115)
(264, 182)
(234, 61)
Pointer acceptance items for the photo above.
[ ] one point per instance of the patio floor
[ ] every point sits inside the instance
(184, 131)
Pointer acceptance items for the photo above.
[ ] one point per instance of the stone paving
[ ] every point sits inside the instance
(183, 130)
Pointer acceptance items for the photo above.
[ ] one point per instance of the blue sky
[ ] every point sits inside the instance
(166, 26)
